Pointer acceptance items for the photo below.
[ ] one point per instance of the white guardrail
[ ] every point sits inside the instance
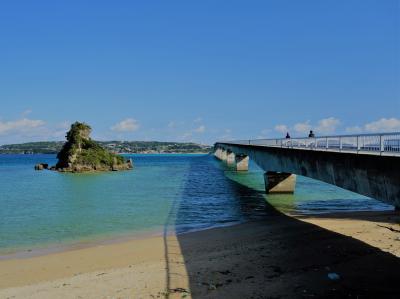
(380, 144)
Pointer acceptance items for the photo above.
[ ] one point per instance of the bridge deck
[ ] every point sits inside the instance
(385, 144)
(366, 164)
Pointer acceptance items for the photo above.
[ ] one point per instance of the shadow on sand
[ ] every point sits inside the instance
(392, 217)
(276, 257)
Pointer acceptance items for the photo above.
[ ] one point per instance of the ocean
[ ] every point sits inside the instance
(180, 193)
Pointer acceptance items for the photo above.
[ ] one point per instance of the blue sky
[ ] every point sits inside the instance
(198, 70)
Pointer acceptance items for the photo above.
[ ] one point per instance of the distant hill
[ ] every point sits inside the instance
(53, 147)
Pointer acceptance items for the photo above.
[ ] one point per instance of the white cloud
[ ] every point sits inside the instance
(26, 112)
(65, 125)
(190, 135)
(383, 125)
(281, 129)
(173, 125)
(302, 128)
(265, 131)
(224, 138)
(264, 134)
(324, 126)
(379, 126)
(60, 130)
(227, 135)
(327, 125)
(354, 130)
(200, 129)
(126, 125)
(186, 136)
(197, 120)
(26, 130)
(20, 126)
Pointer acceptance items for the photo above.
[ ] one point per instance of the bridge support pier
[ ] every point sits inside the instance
(230, 158)
(279, 182)
(242, 162)
(217, 153)
(223, 155)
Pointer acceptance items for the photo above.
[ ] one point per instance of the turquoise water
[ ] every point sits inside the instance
(185, 192)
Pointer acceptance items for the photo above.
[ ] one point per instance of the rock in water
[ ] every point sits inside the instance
(80, 153)
(41, 166)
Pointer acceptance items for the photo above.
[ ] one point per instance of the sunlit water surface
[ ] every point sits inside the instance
(186, 192)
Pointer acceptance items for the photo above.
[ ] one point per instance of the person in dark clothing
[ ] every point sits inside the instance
(287, 135)
(311, 135)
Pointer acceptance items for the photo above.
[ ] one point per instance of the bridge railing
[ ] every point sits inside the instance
(382, 144)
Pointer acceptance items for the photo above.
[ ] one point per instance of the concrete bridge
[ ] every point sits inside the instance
(368, 164)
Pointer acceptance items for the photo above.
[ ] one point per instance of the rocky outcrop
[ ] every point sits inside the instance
(41, 166)
(82, 154)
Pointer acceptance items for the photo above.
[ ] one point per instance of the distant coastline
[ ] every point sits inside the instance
(167, 153)
(119, 147)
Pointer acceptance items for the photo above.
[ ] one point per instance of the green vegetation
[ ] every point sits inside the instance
(82, 153)
(54, 147)
(98, 156)
(155, 147)
(43, 147)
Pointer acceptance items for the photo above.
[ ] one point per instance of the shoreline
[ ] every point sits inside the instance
(54, 248)
(99, 240)
(116, 238)
(139, 265)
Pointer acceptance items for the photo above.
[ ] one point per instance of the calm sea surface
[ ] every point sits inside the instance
(182, 192)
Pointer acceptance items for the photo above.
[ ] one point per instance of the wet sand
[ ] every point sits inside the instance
(348, 255)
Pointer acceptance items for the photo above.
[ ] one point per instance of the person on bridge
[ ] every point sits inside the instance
(287, 135)
(311, 135)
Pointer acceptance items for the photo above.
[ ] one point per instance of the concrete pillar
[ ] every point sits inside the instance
(230, 158)
(224, 154)
(217, 153)
(242, 162)
(279, 182)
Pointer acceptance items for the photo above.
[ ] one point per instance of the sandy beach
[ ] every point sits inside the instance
(354, 255)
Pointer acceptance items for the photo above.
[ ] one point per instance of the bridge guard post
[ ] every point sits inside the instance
(279, 182)
(242, 162)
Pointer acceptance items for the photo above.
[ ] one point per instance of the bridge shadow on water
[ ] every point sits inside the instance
(273, 256)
